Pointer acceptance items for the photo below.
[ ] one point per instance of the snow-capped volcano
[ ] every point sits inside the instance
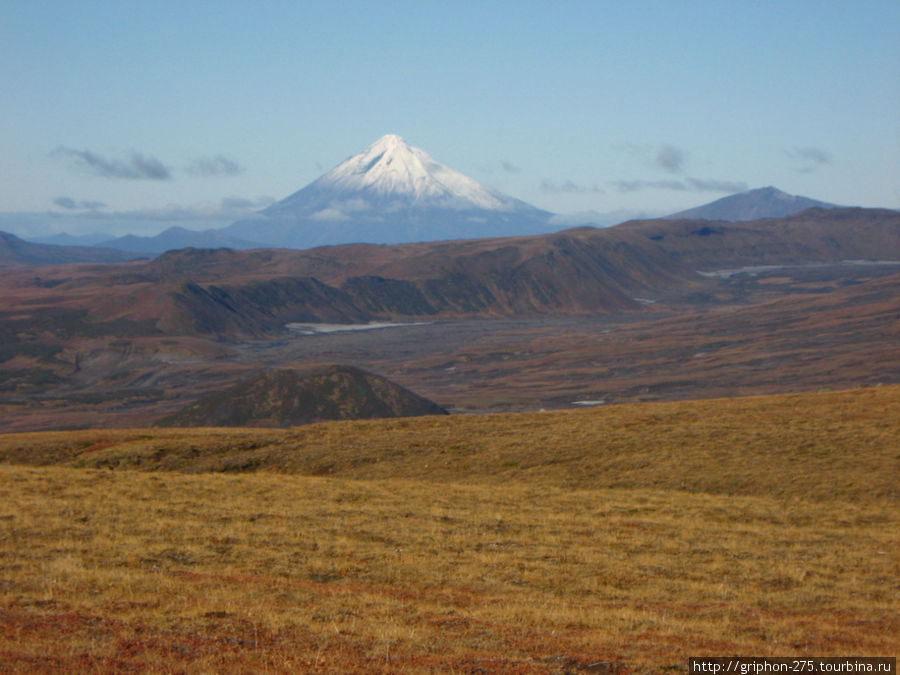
(392, 168)
(392, 192)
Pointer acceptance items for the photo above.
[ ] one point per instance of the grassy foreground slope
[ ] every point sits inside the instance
(607, 540)
(824, 446)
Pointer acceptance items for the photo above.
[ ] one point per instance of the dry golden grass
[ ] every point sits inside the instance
(556, 542)
(804, 446)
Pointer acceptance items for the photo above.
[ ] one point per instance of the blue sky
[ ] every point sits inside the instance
(168, 111)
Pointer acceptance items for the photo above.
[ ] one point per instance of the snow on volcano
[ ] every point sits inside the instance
(392, 168)
(392, 192)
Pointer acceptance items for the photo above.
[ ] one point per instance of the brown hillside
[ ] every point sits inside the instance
(566, 273)
(285, 398)
(254, 293)
(815, 235)
(238, 294)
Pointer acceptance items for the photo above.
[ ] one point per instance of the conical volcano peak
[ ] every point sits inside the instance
(390, 164)
(389, 141)
(391, 192)
(389, 147)
(388, 144)
(393, 169)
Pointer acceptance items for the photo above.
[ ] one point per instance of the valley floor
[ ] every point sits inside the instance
(620, 539)
(772, 331)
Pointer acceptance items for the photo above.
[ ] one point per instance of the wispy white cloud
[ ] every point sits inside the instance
(218, 165)
(227, 209)
(670, 158)
(569, 186)
(134, 166)
(244, 203)
(70, 204)
(712, 185)
(810, 158)
(635, 185)
(688, 184)
(81, 219)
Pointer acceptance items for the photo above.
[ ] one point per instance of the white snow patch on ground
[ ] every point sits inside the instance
(323, 328)
(760, 269)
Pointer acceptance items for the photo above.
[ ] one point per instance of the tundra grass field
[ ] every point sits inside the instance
(620, 539)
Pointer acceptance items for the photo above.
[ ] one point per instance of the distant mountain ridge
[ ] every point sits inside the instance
(391, 193)
(177, 238)
(16, 252)
(64, 239)
(767, 202)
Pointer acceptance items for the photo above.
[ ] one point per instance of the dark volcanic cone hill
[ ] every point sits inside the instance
(285, 398)
(767, 202)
